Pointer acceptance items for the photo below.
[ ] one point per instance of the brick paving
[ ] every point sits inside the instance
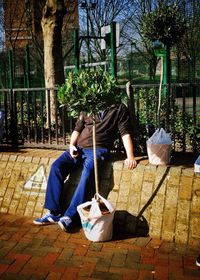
(31, 252)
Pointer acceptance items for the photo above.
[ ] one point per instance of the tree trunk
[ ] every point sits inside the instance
(52, 21)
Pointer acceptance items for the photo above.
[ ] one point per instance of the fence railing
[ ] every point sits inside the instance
(179, 113)
(28, 119)
(28, 116)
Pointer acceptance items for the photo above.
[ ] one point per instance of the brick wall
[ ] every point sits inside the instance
(162, 200)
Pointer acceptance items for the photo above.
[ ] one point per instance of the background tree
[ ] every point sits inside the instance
(52, 21)
(19, 28)
(129, 13)
(190, 47)
(103, 13)
(165, 24)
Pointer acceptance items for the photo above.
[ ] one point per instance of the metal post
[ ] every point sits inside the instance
(76, 50)
(12, 97)
(88, 5)
(132, 60)
(88, 33)
(13, 118)
(27, 67)
(113, 50)
(165, 72)
(168, 90)
(10, 60)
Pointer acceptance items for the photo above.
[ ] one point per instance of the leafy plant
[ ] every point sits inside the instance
(165, 24)
(89, 91)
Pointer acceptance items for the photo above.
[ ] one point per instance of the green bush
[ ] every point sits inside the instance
(180, 123)
(88, 90)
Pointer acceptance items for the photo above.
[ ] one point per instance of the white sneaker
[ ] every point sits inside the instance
(65, 222)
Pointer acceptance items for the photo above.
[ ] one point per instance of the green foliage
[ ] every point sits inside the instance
(181, 122)
(165, 24)
(147, 105)
(89, 91)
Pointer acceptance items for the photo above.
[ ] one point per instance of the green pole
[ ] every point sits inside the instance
(76, 50)
(165, 72)
(28, 72)
(10, 62)
(113, 50)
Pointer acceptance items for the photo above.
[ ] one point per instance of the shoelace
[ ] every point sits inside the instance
(45, 216)
(65, 219)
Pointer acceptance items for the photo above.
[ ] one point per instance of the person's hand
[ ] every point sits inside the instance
(73, 151)
(131, 163)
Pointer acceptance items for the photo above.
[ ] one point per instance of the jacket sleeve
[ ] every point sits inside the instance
(124, 125)
(80, 123)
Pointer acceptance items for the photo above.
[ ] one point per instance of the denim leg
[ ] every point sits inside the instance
(60, 169)
(86, 183)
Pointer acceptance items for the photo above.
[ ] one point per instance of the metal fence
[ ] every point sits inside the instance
(28, 115)
(179, 113)
(27, 119)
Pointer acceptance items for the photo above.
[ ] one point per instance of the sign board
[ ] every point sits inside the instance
(37, 181)
(105, 32)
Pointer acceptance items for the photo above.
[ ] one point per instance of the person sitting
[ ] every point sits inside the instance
(112, 120)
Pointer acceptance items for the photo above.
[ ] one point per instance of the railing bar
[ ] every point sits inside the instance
(6, 114)
(173, 117)
(49, 115)
(56, 114)
(28, 117)
(34, 116)
(194, 111)
(63, 124)
(22, 115)
(138, 105)
(183, 118)
(42, 114)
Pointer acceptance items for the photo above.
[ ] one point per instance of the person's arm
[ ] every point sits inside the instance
(128, 145)
(73, 141)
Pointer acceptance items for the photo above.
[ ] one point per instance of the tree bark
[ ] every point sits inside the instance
(52, 21)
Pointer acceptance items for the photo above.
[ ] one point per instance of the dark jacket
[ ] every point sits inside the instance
(115, 119)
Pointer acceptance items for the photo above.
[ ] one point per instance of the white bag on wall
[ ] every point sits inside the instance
(159, 147)
(97, 224)
(197, 165)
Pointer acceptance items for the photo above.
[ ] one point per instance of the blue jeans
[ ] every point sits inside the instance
(61, 168)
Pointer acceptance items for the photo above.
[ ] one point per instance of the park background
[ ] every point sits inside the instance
(36, 57)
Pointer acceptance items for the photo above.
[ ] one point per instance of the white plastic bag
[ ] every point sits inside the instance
(97, 223)
(197, 165)
(159, 147)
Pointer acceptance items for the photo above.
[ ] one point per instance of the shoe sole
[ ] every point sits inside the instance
(62, 227)
(198, 264)
(43, 224)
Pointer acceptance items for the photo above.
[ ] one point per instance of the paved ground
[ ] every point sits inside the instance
(32, 252)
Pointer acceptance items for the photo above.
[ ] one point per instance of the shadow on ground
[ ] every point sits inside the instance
(127, 226)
